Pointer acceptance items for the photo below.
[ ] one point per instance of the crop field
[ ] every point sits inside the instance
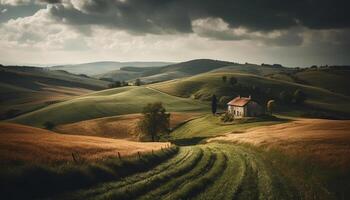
(121, 127)
(322, 141)
(209, 171)
(23, 144)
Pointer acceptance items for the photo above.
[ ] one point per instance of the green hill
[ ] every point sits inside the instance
(107, 103)
(96, 68)
(169, 72)
(331, 78)
(23, 89)
(261, 88)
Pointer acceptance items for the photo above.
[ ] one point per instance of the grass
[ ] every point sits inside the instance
(203, 86)
(40, 181)
(111, 102)
(214, 171)
(21, 144)
(206, 171)
(211, 126)
(322, 141)
(119, 127)
(24, 89)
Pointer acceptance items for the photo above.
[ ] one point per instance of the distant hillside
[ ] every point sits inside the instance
(27, 88)
(119, 101)
(203, 86)
(172, 71)
(332, 79)
(96, 68)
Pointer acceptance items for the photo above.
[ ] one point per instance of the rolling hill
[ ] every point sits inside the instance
(119, 101)
(96, 68)
(332, 79)
(169, 72)
(21, 143)
(24, 89)
(119, 127)
(203, 86)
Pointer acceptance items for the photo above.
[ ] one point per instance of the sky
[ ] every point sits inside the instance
(294, 33)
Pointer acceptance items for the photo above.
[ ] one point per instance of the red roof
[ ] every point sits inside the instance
(239, 101)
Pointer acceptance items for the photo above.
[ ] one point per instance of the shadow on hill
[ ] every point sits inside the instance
(189, 141)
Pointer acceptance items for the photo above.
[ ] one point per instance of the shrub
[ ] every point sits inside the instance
(224, 100)
(227, 117)
(49, 125)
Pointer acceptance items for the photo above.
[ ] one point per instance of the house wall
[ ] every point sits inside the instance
(237, 111)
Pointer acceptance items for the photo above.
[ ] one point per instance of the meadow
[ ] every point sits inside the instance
(119, 101)
(91, 150)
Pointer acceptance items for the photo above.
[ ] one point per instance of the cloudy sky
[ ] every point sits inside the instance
(293, 33)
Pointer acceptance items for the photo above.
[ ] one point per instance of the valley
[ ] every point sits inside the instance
(74, 137)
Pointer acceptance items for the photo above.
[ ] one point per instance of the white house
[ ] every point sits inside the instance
(244, 107)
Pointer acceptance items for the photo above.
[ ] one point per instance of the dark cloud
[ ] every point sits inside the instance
(177, 16)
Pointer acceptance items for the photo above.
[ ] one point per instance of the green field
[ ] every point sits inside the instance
(24, 89)
(203, 86)
(208, 171)
(110, 102)
(210, 126)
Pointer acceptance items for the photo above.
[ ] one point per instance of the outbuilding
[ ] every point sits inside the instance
(244, 107)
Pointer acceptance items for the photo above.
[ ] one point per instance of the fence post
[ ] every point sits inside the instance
(119, 156)
(139, 154)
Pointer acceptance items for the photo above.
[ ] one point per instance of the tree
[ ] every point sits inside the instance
(155, 120)
(299, 96)
(270, 105)
(233, 81)
(224, 100)
(224, 79)
(285, 97)
(213, 104)
(137, 82)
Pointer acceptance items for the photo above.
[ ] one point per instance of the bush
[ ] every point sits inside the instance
(299, 97)
(49, 125)
(227, 117)
(224, 100)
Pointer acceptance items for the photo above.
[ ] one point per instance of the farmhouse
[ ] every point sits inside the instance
(244, 107)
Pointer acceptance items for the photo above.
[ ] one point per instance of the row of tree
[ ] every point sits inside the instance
(232, 80)
(116, 84)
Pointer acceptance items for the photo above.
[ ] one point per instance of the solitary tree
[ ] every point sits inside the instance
(299, 96)
(233, 81)
(224, 79)
(155, 120)
(213, 104)
(137, 82)
(270, 105)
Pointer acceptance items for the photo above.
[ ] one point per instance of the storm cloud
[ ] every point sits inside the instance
(175, 16)
(293, 32)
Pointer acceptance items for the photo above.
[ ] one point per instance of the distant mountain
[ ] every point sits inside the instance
(96, 68)
(23, 89)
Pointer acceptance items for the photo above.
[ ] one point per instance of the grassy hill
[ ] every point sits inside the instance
(105, 103)
(29, 143)
(119, 127)
(96, 68)
(253, 69)
(23, 89)
(203, 86)
(169, 72)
